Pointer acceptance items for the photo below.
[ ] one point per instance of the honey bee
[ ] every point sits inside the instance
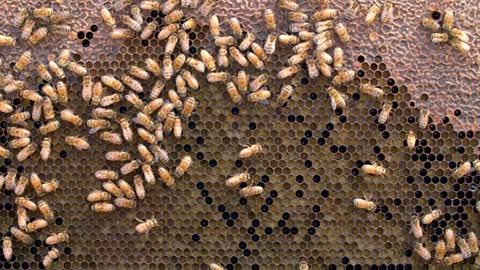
(23, 61)
(166, 177)
(255, 60)
(147, 136)
(288, 72)
(107, 17)
(79, 143)
(98, 123)
(462, 170)
(148, 30)
(36, 183)
(59, 16)
(106, 175)
(132, 83)
(129, 167)
(139, 72)
(20, 17)
(61, 29)
(258, 82)
(46, 148)
(145, 153)
(5, 153)
(50, 257)
(322, 47)
(385, 113)
(447, 20)
(222, 57)
(27, 30)
(104, 113)
(237, 179)
(387, 13)
(176, 16)
(121, 33)
(411, 140)
(165, 110)
(431, 23)
(464, 247)
(342, 32)
(344, 76)
(251, 191)
(22, 217)
(135, 12)
(296, 16)
(18, 143)
(21, 236)
(218, 77)
(214, 266)
(47, 101)
(43, 72)
(206, 7)
(98, 195)
(422, 251)
(14, 85)
(260, 95)
(18, 132)
(251, 150)
(10, 179)
(453, 259)
(177, 127)
(64, 58)
(160, 154)
(459, 45)
(303, 266)
(111, 99)
(56, 70)
(20, 185)
(149, 5)
(169, 5)
(430, 217)
(297, 58)
(297, 27)
(112, 188)
(103, 207)
(167, 30)
(113, 83)
(233, 92)
(135, 100)
(415, 227)
(289, 5)
(171, 44)
(312, 67)
(36, 225)
(238, 56)
(77, 69)
(45, 210)
(10, 41)
(139, 187)
(196, 64)
(175, 99)
(181, 85)
(146, 226)
(62, 92)
(269, 18)
(439, 37)
(168, 70)
(126, 189)
(153, 66)
(184, 41)
(270, 44)
(178, 62)
(5, 106)
(42, 12)
(242, 81)
(472, 240)
(190, 79)
(258, 51)
(148, 174)
(57, 238)
(113, 138)
(208, 60)
(19, 117)
(37, 36)
(189, 24)
(50, 186)
(214, 26)
(372, 14)
(423, 118)
(117, 156)
(322, 37)
(374, 169)
(440, 251)
(184, 165)
(152, 106)
(325, 14)
(87, 88)
(285, 93)
(338, 58)
(371, 90)
(306, 35)
(26, 152)
(288, 39)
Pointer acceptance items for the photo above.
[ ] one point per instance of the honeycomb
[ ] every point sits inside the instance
(311, 167)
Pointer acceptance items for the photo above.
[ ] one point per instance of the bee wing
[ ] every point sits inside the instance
(333, 103)
(93, 130)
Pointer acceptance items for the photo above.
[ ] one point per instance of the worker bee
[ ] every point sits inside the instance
(87, 88)
(153, 66)
(10, 185)
(462, 170)
(288, 39)
(288, 72)
(184, 165)
(342, 32)
(326, 14)
(258, 82)
(64, 58)
(184, 41)
(411, 140)
(51, 96)
(132, 83)
(236, 27)
(20, 185)
(43, 72)
(422, 251)
(148, 174)
(22, 217)
(56, 70)
(52, 255)
(270, 44)
(106, 175)
(297, 27)
(255, 60)
(30, 95)
(146, 226)
(20, 17)
(430, 217)
(36, 183)
(285, 93)
(208, 60)
(77, 69)
(372, 14)
(453, 259)
(385, 113)
(61, 29)
(171, 44)
(338, 58)
(289, 5)
(139, 72)
(117, 156)
(129, 167)
(147, 136)
(168, 70)
(159, 153)
(27, 30)
(42, 12)
(176, 16)
(242, 81)
(214, 266)
(431, 23)
(312, 67)
(167, 30)
(121, 33)
(149, 5)
(250, 150)
(464, 247)
(178, 62)
(10, 41)
(297, 58)
(59, 16)
(237, 179)
(152, 106)
(145, 153)
(364, 204)
(26, 152)
(134, 11)
(374, 169)
(206, 7)
(139, 187)
(177, 127)
(79, 143)
(50, 186)
(371, 90)
(447, 20)
(135, 100)
(22, 61)
(344, 76)
(20, 235)
(238, 56)
(322, 37)
(124, 203)
(439, 37)
(169, 5)
(62, 92)
(112, 188)
(415, 227)
(269, 18)
(98, 195)
(19, 117)
(5, 153)
(190, 79)
(218, 77)
(45, 210)
(57, 238)
(18, 143)
(181, 85)
(189, 24)
(14, 85)
(472, 240)
(459, 45)
(107, 17)
(36, 225)
(126, 189)
(387, 13)
(440, 251)
(296, 16)
(251, 191)
(222, 57)
(196, 64)
(98, 123)
(148, 30)
(111, 99)
(104, 113)
(189, 107)
(166, 177)
(103, 207)
(37, 36)
(46, 148)
(233, 92)
(18, 132)
(165, 110)
(322, 46)
(423, 118)
(175, 99)
(113, 138)
(306, 35)
(260, 95)
(113, 83)
(214, 26)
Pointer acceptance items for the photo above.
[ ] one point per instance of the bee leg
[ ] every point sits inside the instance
(139, 220)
